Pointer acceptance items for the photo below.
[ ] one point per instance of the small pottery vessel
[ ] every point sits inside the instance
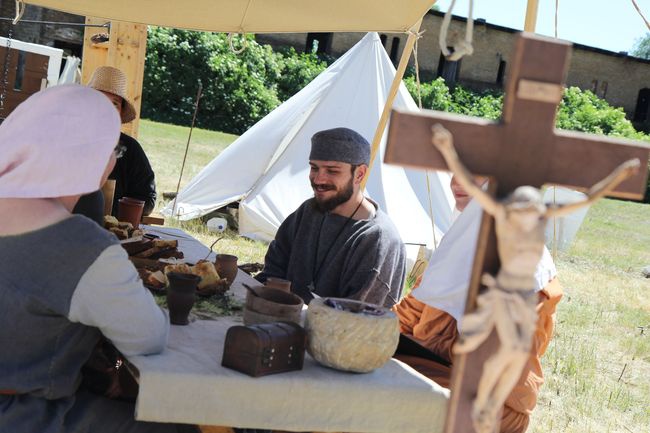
(130, 210)
(278, 283)
(180, 296)
(226, 266)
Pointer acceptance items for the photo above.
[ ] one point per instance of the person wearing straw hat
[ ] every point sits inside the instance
(133, 174)
(64, 281)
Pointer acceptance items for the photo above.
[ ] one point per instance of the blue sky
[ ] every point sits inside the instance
(613, 25)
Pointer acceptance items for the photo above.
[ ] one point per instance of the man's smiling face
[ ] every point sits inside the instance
(332, 182)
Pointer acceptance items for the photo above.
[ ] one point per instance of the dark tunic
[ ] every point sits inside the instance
(133, 176)
(359, 259)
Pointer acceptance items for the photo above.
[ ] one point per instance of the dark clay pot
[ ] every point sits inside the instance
(180, 296)
(226, 266)
(130, 210)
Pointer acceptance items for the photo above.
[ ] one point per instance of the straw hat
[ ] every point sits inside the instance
(112, 80)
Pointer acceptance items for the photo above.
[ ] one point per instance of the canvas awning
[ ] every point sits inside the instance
(256, 16)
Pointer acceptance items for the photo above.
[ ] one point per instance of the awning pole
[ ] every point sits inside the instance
(531, 16)
(403, 62)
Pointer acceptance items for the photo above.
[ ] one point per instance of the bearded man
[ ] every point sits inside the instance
(338, 243)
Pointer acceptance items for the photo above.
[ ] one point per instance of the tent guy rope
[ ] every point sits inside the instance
(636, 6)
(463, 47)
(187, 147)
(20, 10)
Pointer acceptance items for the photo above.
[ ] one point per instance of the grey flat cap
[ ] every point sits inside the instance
(340, 144)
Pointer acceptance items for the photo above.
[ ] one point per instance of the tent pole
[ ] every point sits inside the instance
(379, 132)
(531, 16)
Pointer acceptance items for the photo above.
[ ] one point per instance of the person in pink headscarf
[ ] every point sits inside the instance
(64, 281)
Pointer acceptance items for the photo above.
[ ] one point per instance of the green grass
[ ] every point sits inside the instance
(597, 367)
(165, 147)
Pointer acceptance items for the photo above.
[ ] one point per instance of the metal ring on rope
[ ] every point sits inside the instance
(463, 47)
(20, 10)
(244, 44)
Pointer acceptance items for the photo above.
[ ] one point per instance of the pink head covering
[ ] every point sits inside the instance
(57, 143)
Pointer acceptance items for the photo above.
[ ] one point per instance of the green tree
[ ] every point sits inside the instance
(642, 47)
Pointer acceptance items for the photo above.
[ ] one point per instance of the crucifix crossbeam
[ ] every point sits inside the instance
(523, 148)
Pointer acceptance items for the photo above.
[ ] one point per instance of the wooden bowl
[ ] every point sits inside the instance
(267, 304)
(351, 339)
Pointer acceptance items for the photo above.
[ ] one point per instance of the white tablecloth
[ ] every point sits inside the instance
(187, 384)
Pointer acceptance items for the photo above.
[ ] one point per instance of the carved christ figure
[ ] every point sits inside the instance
(509, 303)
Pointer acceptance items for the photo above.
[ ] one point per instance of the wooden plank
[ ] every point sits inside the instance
(420, 152)
(153, 219)
(93, 57)
(126, 51)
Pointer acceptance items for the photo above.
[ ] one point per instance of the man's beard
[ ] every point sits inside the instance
(341, 197)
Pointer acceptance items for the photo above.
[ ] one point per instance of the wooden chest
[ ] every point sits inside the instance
(269, 348)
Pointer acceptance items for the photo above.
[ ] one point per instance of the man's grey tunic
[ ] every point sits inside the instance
(365, 261)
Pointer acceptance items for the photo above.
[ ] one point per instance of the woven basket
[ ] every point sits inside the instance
(350, 341)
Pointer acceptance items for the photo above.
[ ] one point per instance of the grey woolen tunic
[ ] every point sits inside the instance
(358, 259)
(61, 288)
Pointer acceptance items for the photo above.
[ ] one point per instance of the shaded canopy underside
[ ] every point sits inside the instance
(256, 16)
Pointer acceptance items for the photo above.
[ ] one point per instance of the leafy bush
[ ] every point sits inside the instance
(238, 89)
(298, 70)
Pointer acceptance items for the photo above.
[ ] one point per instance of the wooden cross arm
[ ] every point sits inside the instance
(421, 153)
(581, 159)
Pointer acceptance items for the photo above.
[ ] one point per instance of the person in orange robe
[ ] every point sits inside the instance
(437, 331)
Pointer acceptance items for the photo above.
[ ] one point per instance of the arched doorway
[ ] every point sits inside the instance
(642, 105)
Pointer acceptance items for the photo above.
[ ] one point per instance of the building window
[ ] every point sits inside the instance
(642, 104)
(449, 71)
(394, 49)
(382, 38)
(603, 89)
(501, 73)
(318, 43)
(20, 71)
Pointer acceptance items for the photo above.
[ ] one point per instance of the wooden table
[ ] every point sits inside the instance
(187, 384)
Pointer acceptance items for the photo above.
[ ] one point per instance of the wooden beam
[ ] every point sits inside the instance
(531, 16)
(401, 68)
(94, 55)
(126, 51)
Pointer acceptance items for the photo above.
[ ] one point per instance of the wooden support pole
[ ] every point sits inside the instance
(126, 51)
(94, 55)
(401, 68)
(531, 16)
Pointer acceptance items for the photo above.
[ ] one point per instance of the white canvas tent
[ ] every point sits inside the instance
(267, 167)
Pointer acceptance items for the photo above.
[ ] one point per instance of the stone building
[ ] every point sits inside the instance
(623, 80)
(54, 32)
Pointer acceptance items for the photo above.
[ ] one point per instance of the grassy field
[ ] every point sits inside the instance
(597, 367)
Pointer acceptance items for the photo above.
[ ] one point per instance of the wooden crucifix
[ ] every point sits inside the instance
(522, 149)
